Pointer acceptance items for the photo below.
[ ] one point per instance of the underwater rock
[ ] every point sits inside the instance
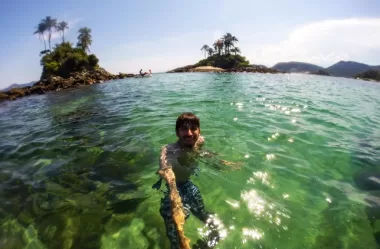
(127, 237)
(367, 180)
(373, 205)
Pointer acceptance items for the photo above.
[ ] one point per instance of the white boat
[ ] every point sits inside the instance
(143, 76)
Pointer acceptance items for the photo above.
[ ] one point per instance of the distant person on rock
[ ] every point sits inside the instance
(145, 73)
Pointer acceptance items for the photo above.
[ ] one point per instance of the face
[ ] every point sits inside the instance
(188, 134)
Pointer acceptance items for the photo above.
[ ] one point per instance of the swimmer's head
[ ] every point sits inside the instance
(187, 129)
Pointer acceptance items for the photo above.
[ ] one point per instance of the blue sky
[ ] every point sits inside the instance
(161, 35)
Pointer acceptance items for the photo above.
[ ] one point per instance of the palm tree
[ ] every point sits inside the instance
(210, 51)
(84, 39)
(61, 27)
(40, 30)
(229, 41)
(218, 46)
(50, 26)
(205, 49)
(235, 50)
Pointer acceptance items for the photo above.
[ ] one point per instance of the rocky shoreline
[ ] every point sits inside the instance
(248, 69)
(57, 83)
(76, 79)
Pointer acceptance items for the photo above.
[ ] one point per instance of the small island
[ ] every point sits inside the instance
(64, 66)
(370, 75)
(224, 56)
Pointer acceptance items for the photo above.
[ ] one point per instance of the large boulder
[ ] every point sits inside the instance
(3, 96)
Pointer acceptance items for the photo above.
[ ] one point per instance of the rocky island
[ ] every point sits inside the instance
(65, 66)
(371, 75)
(224, 57)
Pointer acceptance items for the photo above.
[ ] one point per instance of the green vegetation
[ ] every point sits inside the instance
(40, 30)
(50, 24)
(225, 61)
(64, 58)
(84, 39)
(61, 27)
(371, 75)
(224, 55)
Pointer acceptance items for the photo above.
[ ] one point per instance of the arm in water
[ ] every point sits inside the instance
(167, 173)
(215, 163)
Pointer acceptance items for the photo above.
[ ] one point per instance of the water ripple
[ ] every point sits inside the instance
(84, 161)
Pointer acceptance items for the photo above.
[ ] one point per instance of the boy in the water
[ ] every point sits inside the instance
(180, 159)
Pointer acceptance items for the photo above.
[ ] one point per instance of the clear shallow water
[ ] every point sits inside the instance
(77, 167)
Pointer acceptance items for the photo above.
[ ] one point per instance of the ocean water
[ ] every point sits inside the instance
(77, 166)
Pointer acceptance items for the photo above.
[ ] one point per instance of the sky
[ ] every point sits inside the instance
(162, 35)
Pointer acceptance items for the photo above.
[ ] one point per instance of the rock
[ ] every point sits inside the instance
(124, 75)
(368, 180)
(182, 69)
(253, 69)
(37, 90)
(56, 83)
(249, 69)
(3, 96)
(129, 236)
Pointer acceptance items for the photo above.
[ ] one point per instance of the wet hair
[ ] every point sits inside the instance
(187, 118)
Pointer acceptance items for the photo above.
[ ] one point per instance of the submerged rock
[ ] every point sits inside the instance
(131, 236)
(367, 180)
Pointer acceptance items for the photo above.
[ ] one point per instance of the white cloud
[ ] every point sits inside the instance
(323, 43)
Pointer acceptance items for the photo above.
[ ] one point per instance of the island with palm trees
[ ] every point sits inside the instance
(65, 66)
(224, 56)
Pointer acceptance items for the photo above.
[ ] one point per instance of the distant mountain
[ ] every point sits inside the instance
(297, 67)
(15, 85)
(340, 69)
(348, 68)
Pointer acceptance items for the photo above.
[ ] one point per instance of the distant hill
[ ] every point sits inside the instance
(15, 85)
(340, 69)
(297, 67)
(348, 68)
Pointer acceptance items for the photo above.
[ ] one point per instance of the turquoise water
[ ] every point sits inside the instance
(77, 166)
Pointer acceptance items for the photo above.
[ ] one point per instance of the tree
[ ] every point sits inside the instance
(210, 52)
(61, 27)
(65, 59)
(84, 39)
(235, 50)
(218, 46)
(205, 49)
(40, 30)
(50, 26)
(229, 41)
